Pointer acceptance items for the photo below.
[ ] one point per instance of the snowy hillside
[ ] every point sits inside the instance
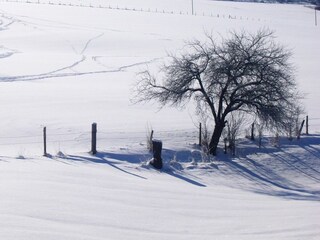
(67, 64)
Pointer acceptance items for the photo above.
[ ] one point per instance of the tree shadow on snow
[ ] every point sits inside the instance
(286, 171)
(266, 181)
(311, 144)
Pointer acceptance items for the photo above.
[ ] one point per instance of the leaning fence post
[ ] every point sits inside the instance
(45, 141)
(94, 138)
(300, 130)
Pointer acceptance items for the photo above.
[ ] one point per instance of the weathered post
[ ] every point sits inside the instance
(307, 125)
(200, 134)
(192, 6)
(156, 162)
(252, 132)
(45, 141)
(94, 138)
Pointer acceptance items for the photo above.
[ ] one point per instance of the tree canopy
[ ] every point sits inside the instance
(245, 72)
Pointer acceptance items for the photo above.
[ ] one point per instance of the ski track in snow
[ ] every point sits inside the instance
(122, 68)
(56, 73)
(5, 54)
(89, 41)
(70, 67)
(5, 20)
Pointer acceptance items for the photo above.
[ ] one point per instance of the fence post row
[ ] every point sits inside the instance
(157, 148)
(193, 12)
(93, 140)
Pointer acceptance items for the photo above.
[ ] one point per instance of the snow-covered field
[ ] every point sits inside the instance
(67, 64)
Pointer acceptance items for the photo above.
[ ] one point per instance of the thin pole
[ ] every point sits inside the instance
(45, 141)
(192, 6)
(307, 125)
(200, 134)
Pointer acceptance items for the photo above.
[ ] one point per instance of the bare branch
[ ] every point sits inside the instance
(246, 72)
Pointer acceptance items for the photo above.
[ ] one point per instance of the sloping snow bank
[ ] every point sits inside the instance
(85, 197)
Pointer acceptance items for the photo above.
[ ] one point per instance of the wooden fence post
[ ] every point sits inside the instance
(200, 134)
(252, 132)
(307, 125)
(94, 139)
(45, 142)
(156, 162)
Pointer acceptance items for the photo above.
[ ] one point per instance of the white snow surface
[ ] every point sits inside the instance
(67, 64)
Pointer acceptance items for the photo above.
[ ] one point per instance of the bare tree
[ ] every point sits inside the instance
(293, 122)
(245, 72)
(234, 123)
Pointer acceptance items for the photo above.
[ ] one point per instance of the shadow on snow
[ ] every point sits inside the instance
(291, 171)
(115, 160)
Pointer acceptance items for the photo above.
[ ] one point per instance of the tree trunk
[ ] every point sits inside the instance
(216, 137)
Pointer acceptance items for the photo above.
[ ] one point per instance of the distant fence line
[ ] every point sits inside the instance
(39, 141)
(93, 136)
(84, 136)
(90, 5)
(50, 137)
